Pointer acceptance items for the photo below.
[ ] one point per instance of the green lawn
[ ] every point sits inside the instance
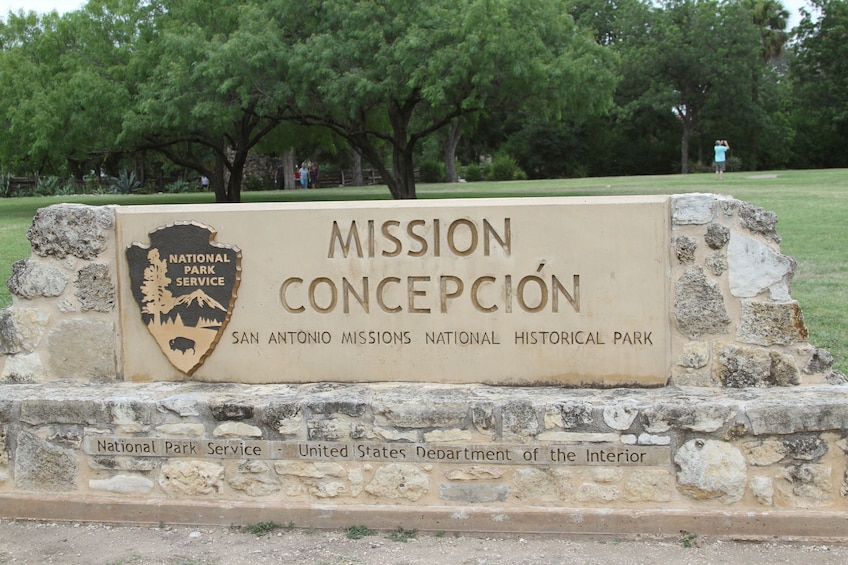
(811, 208)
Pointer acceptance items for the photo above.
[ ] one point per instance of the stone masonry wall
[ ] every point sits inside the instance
(754, 418)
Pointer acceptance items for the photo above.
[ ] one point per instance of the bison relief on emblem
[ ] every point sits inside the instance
(185, 285)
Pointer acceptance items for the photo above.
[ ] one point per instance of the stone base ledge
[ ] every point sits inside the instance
(738, 463)
(817, 526)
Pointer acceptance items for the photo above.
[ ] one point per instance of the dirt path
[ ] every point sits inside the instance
(99, 544)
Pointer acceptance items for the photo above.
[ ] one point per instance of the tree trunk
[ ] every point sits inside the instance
(450, 151)
(357, 168)
(288, 169)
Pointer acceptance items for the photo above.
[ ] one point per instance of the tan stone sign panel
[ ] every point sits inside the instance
(569, 291)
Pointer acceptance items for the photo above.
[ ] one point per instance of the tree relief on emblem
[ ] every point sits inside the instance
(185, 286)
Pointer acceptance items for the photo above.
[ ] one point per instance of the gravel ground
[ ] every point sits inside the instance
(101, 544)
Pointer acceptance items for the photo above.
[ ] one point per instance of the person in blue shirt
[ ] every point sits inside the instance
(721, 148)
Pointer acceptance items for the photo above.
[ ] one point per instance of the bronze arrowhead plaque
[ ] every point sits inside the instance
(185, 285)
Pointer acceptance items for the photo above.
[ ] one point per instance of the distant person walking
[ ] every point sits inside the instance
(313, 175)
(304, 175)
(721, 148)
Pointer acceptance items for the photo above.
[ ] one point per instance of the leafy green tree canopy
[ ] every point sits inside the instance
(384, 74)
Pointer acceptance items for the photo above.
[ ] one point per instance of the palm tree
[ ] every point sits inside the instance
(770, 17)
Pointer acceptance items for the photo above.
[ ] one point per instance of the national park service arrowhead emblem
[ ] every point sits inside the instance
(185, 285)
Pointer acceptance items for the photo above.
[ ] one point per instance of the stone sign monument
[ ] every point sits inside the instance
(620, 365)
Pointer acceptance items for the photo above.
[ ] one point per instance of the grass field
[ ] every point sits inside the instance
(812, 208)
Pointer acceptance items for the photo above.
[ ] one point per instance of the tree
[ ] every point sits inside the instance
(62, 80)
(820, 77)
(693, 58)
(208, 90)
(385, 74)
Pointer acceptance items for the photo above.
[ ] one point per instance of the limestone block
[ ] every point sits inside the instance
(805, 448)
(802, 414)
(606, 475)
(127, 412)
(697, 416)
(236, 430)
(328, 489)
(763, 490)
(741, 367)
(40, 465)
(754, 268)
(23, 369)
(536, 485)
(710, 469)
(836, 378)
(699, 305)
(692, 208)
(37, 412)
(694, 355)
(337, 402)
(398, 480)
(566, 415)
(182, 429)
(285, 417)
(520, 418)
(717, 236)
(4, 452)
(310, 470)
(231, 408)
(94, 288)
(648, 485)
(474, 473)
(356, 480)
(32, 279)
(253, 478)
(136, 464)
(621, 415)
(809, 485)
(820, 361)
(575, 437)
(758, 220)
(473, 493)
(764, 453)
(716, 263)
(21, 329)
(483, 417)
(392, 434)
(83, 349)
(771, 323)
(123, 484)
(447, 436)
(684, 249)
(335, 429)
(71, 229)
(184, 406)
(595, 493)
(650, 439)
(404, 411)
(191, 478)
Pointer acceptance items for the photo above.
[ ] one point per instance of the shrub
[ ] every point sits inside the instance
(125, 184)
(734, 164)
(178, 186)
(431, 171)
(473, 173)
(255, 183)
(504, 168)
(48, 186)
